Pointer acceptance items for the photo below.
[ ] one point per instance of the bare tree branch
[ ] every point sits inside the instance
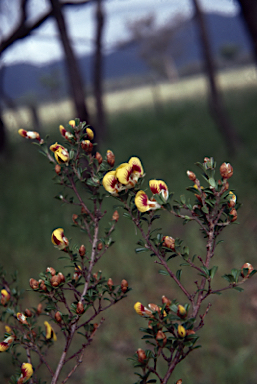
(23, 29)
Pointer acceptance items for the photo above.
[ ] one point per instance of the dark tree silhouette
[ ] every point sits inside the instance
(74, 73)
(249, 14)
(97, 72)
(218, 110)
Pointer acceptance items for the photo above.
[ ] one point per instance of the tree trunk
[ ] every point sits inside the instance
(249, 14)
(74, 74)
(217, 108)
(101, 126)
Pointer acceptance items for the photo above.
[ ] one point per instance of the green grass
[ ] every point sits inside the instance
(168, 143)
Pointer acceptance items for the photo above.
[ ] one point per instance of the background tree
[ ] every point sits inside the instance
(97, 71)
(249, 14)
(25, 26)
(217, 108)
(74, 74)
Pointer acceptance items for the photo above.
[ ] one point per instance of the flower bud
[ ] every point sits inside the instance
(42, 285)
(55, 281)
(58, 317)
(100, 246)
(141, 355)
(226, 170)
(57, 169)
(34, 284)
(28, 312)
(233, 213)
(169, 242)
(51, 270)
(74, 218)
(161, 339)
(39, 309)
(191, 175)
(90, 133)
(87, 146)
(110, 284)
(179, 381)
(99, 158)
(166, 301)
(124, 285)
(77, 273)
(110, 158)
(154, 308)
(61, 277)
(115, 216)
(82, 250)
(72, 123)
(50, 334)
(181, 312)
(84, 211)
(246, 266)
(181, 331)
(80, 308)
(190, 332)
(5, 296)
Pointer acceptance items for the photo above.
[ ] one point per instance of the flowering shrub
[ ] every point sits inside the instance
(71, 303)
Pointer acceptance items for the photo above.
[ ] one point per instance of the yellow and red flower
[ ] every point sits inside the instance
(66, 134)
(59, 240)
(124, 177)
(111, 184)
(29, 134)
(4, 345)
(159, 187)
(21, 318)
(26, 373)
(61, 154)
(145, 204)
(129, 173)
(142, 311)
(5, 296)
(50, 334)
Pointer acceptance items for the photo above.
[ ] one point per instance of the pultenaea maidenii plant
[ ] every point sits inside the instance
(171, 332)
(70, 304)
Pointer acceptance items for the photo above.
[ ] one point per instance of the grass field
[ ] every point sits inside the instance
(168, 142)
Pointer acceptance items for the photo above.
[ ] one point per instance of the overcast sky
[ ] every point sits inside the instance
(43, 45)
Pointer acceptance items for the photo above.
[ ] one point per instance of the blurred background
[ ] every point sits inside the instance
(169, 81)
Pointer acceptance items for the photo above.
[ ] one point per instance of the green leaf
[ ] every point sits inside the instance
(212, 182)
(212, 271)
(183, 199)
(253, 273)
(205, 271)
(164, 273)
(205, 209)
(229, 278)
(239, 289)
(235, 273)
(143, 249)
(178, 274)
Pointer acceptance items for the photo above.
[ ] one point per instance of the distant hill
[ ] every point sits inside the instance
(24, 79)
